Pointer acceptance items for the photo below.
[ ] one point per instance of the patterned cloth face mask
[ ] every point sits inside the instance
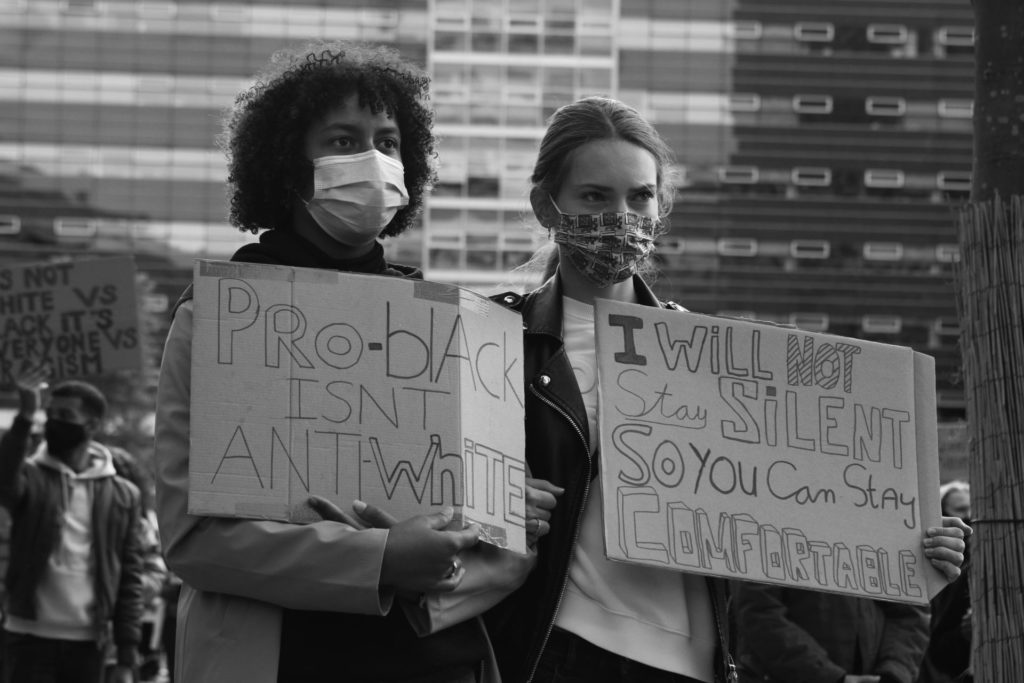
(606, 248)
(355, 196)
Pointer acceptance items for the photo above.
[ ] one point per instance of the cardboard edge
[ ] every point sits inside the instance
(926, 421)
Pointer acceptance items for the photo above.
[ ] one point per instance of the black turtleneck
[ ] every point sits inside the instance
(285, 248)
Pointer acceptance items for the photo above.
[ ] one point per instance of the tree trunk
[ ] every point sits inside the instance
(990, 300)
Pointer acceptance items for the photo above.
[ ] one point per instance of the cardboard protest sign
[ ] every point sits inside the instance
(79, 316)
(751, 451)
(405, 394)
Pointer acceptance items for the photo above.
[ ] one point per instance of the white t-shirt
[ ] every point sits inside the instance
(661, 618)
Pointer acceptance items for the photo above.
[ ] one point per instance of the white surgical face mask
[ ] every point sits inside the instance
(355, 196)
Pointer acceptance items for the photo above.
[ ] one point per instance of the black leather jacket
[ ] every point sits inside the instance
(558, 450)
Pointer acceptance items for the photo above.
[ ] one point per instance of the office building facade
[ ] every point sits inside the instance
(822, 146)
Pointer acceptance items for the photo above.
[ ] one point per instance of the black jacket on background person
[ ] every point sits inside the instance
(557, 450)
(35, 498)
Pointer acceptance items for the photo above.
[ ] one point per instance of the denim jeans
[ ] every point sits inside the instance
(31, 659)
(571, 659)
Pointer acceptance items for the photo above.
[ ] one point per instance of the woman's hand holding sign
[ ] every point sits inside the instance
(541, 498)
(421, 554)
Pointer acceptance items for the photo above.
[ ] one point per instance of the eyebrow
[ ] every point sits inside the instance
(606, 188)
(353, 128)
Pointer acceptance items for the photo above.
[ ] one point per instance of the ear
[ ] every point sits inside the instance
(544, 209)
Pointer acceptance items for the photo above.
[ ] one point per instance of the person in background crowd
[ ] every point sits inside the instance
(955, 499)
(802, 636)
(154, 570)
(601, 186)
(329, 151)
(74, 581)
(948, 657)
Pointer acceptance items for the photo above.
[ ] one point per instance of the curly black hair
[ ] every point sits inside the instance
(264, 130)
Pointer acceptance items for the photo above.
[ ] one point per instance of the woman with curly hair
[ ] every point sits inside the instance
(331, 149)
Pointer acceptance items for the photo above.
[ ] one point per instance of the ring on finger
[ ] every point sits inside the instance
(453, 568)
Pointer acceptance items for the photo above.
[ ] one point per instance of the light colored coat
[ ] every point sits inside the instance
(239, 574)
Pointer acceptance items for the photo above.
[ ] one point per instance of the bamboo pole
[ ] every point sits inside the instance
(990, 299)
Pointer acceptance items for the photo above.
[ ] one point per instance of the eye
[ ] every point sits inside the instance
(644, 195)
(389, 146)
(341, 142)
(592, 196)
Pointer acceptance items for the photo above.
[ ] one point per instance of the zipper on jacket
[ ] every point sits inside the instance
(731, 675)
(575, 532)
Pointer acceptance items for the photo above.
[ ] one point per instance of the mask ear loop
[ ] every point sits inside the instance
(560, 214)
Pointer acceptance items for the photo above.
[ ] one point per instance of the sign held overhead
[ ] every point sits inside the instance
(80, 317)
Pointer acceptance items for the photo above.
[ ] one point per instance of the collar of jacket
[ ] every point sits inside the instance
(542, 311)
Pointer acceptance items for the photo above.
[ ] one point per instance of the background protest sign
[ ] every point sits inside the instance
(402, 393)
(763, 453)
(79, 316)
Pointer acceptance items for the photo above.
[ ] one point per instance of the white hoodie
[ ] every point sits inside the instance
(65, 594)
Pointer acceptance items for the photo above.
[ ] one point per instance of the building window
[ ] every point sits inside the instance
(79, 6)
(747, 30)
(814, 31)
(9, 225)
(235, 13)
(74, 227)
(884, 178)
(810, 249)
(956, 36)
(956, 109)
(811, 176)
(883, 251)
(482, 251)
(524, 23)
(887, 34)
(811, 322)
(379, 18)
(737, 246)
(153, 9)
(738, 175)
(516, 249)
(881, 324)
(451, 22)
(946, 327)
(954, 181)
(671, 245)
(947, 253)
(445, 249)
(740, 101)
(885, 106)
(812, 104)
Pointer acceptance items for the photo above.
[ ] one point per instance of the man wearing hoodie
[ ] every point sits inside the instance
(74, 579)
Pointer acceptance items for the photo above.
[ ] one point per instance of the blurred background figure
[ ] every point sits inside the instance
(948, 657)
(155, 575)
(955, 498)
(74, 572)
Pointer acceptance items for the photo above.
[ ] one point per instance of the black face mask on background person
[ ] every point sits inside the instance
(62, 436)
